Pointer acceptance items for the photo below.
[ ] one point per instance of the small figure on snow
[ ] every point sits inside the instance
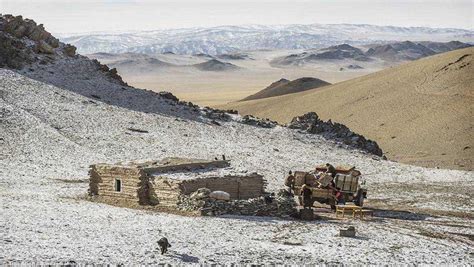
(164, 245)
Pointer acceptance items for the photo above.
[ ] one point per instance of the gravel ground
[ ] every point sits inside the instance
(52, 129)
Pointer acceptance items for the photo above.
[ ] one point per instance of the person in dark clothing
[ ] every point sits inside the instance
(339, 197)
(290, 182)
(330, 170)
(164, 245)
(306, 193)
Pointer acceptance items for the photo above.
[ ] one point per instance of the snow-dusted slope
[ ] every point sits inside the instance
(60, 116)
(227, 39)
(51, 133)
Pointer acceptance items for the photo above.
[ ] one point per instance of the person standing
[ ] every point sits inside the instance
(306, 194)
(290, 182)
(330, 170)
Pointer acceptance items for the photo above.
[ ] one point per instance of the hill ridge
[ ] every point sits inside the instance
(284, 86)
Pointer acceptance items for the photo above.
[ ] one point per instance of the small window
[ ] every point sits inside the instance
(118, 185)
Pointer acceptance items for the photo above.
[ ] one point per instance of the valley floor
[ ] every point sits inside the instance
(213, 88)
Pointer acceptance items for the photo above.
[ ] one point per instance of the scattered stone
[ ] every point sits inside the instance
(215, 122)
(292, 243)
(232, 111)
(216, 114)
(137, 130)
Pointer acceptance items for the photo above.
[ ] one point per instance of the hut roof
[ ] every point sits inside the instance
(205, 173)
(171, 164)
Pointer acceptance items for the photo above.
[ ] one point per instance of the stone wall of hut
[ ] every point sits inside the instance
(134, 184)
(168, 191)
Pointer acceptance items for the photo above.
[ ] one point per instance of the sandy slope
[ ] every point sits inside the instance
(420, 112)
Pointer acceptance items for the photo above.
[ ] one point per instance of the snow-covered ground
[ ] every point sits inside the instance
(52, 129)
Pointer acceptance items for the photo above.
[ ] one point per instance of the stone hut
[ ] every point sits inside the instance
(161, 183)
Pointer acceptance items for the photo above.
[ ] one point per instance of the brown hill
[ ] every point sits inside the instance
(216, 65)
(419, 112)
(284, 86)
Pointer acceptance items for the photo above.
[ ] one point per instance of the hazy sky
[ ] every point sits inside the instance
(68, 16)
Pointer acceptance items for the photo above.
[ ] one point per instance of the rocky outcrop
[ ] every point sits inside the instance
(311, 123)
(112, 73)
(216, 114)
(264, 123)
(19, 28)
(281, 205)
(23, 42)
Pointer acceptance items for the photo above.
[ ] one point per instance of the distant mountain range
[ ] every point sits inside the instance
(142, 63)
(393, 52)
(231, 39)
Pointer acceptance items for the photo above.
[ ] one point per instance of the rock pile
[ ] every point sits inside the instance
(311, 123)
(282, 205)
(264, 123)
(216, 114)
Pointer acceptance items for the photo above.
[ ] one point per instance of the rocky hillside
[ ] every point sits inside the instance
(400, 51)
(337, 52)
(283, 87)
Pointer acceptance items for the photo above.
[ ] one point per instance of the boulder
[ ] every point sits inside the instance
(45, 48)
(349, 232)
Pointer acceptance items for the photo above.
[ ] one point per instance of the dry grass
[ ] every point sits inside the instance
(420, 112)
